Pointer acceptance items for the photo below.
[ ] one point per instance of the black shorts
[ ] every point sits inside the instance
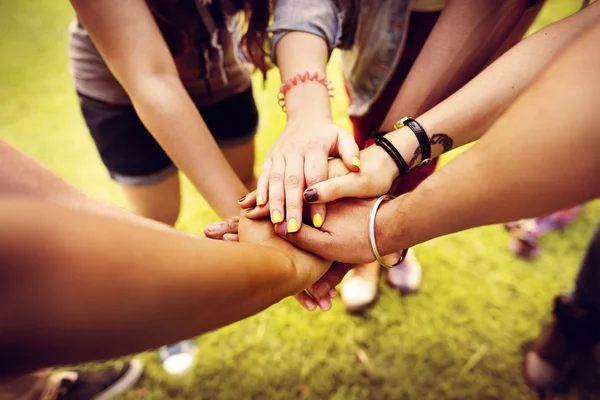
(132, 155)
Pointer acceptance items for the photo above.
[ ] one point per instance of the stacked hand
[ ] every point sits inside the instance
(343, 236)
(309, 267)
(298, 159)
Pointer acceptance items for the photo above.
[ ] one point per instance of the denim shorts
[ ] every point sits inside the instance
(132, 155)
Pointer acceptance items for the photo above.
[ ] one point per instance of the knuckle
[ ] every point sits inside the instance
(276, 177)
(292, 181)
(292, 206)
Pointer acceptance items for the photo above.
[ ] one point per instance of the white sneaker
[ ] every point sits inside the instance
(177, 359)
(359, 287)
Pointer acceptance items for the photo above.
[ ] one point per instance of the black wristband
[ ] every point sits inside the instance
(422, 137)
(389, 148)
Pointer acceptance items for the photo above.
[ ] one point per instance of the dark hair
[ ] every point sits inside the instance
(178, 25)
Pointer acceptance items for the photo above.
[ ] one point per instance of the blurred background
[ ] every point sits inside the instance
(461, 337)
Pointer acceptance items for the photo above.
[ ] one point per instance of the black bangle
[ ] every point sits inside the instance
(389, 148)
(422, 137)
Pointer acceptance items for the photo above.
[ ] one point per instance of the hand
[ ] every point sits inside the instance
(308, 266)
(298, 157)
(344, 236)
(375, 178)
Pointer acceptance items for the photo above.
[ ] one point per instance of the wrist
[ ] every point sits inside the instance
(308, 99)
(390, 227)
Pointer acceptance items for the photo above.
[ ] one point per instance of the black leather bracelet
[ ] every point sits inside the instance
(422, 137)
(389, 148)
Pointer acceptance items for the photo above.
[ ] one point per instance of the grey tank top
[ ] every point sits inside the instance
(208, 76)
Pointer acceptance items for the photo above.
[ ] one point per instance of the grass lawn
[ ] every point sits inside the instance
(461, 337)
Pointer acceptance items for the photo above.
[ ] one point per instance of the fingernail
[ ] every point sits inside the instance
(276, 217)
(311, 195)
(247, 210)
(292, 226)
(356, 161)
(322, 289)
(317, 220)
(241, 199)
(325, 304)
(260, 201)
(310, 304)
(332, 293)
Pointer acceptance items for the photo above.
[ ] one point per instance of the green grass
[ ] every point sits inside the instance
(461, 337)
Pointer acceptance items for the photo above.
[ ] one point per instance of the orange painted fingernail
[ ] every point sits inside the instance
(292, 226)
(317, 220)
(356, 161)
(276, 217)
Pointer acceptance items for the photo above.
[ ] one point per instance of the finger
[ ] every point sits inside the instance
(324, 287)
(277, 190)
(262, 184)
(257, 212)
(348, 151)
(315, 171)
(218, 229)
(309, 239)
(249, 200)
(294, 186)
(351, 185)
(306, 301)
(231, 237)
(336, 168)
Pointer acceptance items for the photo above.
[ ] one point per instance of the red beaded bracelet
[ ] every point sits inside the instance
(297, 80)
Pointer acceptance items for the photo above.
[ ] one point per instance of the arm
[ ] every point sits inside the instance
(24, 177)
(465, 37)
(539, 157)
(128, 38)
(303, 34)
(467, 114)
(110, 288)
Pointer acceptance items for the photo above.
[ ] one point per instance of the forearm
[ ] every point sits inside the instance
(541, 156)
(22, 176)
(300, 52)
(170, 115)
(108, 288)
(468, 113)
(464, 39)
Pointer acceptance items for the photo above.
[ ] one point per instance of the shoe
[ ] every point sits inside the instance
(177, 359)
(359, 287)
(407, 276)
(524, 233)
(523, 241)
(548, 365)
(98, 385)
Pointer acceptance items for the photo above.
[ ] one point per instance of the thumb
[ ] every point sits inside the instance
(335, 188)
(348, 151)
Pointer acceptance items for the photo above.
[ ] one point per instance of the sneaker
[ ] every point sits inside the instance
(177, 359)
(407, 276)
(547, 367)
(524, 233)
(98, 385)
(359, 287)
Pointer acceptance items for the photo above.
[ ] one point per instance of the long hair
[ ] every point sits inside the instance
(178, 20)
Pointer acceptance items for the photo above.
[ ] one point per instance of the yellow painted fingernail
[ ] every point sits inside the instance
(356, 161)
(292, 226)
(260, 201)
(317, 220)
(276, 217)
